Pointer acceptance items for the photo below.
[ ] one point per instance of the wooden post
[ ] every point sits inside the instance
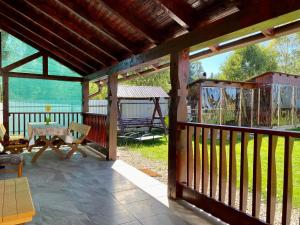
(5, 101)
(278, 107)
(112, 116)
(179, 70)
(85, 96)
(45, 65)
(85, 99)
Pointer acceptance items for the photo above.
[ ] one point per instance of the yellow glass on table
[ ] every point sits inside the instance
(48, 109)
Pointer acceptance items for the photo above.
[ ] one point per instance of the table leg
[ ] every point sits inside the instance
(36, 155)
(57, 151)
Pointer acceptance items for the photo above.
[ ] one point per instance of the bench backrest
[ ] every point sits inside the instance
(2, 131)
(83, 129)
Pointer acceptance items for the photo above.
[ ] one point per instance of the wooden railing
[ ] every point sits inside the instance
(211, 180)
(97, 133)
(19, 120)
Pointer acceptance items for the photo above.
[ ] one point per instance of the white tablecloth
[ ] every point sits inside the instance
(52, 129)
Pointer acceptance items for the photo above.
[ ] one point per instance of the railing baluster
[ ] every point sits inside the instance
(287, 181)
(256, 190)
(204, 161)
(244, 172)
(232, 168)
(190, 156)
(197, 160)
(213, 163)
(272, 183)
(19, 123)
(223, 166)
(13, 116)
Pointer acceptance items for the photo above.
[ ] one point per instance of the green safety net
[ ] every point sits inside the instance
(31, 95)
(14, 50)
(55, 68)
(34, 66)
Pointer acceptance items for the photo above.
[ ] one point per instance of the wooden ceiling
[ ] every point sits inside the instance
(91, 35)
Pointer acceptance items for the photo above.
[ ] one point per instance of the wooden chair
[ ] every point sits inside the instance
(83, 130)
(12, 143)
(12, 160)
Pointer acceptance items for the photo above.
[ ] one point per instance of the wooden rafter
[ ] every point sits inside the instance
(256, 38)
(245, 21)
(22, 62)
(17, 17)
(66, 20)
(180, 11)
(146, 29)
(37, 42)
(54, 32)
(91, 17)
(48, 77)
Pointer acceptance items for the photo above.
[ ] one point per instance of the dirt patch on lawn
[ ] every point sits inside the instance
(158, 169)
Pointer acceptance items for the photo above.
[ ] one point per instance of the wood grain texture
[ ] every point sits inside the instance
(256, 190)
(271, 180)
(244, 182)
(222, 166)
(213, 163)
(232, 169)
(287, 181)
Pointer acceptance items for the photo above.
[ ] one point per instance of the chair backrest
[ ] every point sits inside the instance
(2, 131)
(83, 129)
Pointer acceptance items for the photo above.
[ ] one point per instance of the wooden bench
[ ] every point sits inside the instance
(15, 201)
(83, 130)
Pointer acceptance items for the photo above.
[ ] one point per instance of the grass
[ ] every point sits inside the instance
(158, 150)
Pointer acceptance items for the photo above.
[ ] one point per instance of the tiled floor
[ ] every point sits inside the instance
(93, 191)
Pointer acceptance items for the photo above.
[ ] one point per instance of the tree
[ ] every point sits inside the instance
(196, 71)
(247, 62)
(287, 50)
(161, 79)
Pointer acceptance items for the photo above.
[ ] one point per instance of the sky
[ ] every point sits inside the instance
(213, 63)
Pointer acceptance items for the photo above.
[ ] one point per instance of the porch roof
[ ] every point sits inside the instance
(140, 92)
(98, 38)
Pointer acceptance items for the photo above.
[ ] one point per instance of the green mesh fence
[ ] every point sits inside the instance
(31, 95)
(13, 50)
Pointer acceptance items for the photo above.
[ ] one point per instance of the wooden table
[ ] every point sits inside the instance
(15, 201)
(42, 130)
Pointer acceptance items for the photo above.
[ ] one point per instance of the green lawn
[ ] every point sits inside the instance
(158, 151)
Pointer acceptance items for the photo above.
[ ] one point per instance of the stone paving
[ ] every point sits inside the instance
(88, 191)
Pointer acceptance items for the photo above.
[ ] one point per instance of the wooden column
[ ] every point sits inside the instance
(5, 91)
(5, 101)
(112, 116)
(85, 96)
(45, 65)
(179, 70)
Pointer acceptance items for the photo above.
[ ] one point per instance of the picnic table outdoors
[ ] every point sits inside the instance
(15, 201)
(44, 132)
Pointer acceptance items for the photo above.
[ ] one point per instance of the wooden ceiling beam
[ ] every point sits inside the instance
(269, 32)
(244, 22)
(180, 11)
(24, 19)
(254, 39)
(40, 24)
(22, 61)
(91, 17)
(49, 77)
(67, 20)
(139, 24)
(26, 35)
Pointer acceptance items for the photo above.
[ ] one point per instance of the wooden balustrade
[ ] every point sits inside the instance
(209, 173)
(19, 120)
(98, 130)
